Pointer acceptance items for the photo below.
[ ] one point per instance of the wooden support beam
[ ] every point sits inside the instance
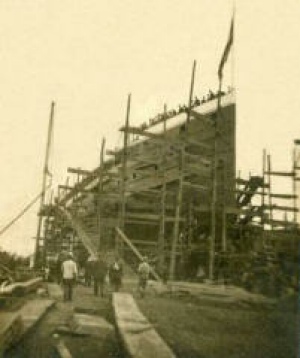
(123, 186)
(135, 250)
(112, 152)
(295, 202)
(150, 217)
(282, 208)
(140, 222)
(198, 158)
(65, 187)
(195, 186)
(44, 184)
(100, 188)
(241, 181)
(282, 174)
(75, 188)
(144, 242)
(145, 206)
(284, 196)
(200, 170)
(191, 93)
(142, 160)
(139, 131)
(274, 222)
(79, 171)
(149, 192)
(162, 223)
(111, 175)
(176, 228)
(198, 144)
(268, 173)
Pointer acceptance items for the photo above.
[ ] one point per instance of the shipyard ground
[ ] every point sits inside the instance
(191, 325)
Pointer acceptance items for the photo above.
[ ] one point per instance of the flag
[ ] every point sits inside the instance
(226, 50)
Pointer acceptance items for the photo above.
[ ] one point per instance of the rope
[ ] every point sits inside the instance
(23, 211)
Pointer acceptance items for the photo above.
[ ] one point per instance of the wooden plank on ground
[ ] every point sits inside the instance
(11, 330)
(33, 311)
(139, 337)
(62, 349)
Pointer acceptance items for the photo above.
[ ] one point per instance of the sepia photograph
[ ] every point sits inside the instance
(150, 178)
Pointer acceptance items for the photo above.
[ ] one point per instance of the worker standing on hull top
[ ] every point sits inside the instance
(69, 275)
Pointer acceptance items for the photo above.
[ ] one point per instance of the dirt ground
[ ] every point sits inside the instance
(190, 327)
(194, 329)
(39, 343)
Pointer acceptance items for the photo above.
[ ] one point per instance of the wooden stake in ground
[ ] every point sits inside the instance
(44, 183)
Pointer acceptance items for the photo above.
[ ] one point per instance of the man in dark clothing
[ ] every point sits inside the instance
(88, 271)
(99, 273)
(116, 274)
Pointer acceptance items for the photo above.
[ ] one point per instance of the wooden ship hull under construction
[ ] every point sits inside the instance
(170, 193)
(157, 190)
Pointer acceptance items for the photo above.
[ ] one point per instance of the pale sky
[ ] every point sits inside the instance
(88, 55)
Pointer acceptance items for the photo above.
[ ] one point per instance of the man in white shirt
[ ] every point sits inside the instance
(69, 275)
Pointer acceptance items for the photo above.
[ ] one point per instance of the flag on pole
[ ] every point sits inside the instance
(226, 50)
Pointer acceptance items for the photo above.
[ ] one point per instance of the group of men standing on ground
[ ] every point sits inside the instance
(97, 270)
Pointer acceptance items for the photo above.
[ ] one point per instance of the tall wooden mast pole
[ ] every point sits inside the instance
(294, 186)
(212, 242)
(161, 237)
(263, 196)
(180, 186)
(269, 166)
(191, 92)
(100, 185)
(213, 207)
(44, 183)
(124, 167)
(177, 217)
